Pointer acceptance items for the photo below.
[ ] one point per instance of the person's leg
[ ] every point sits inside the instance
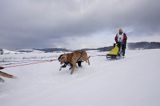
(119, 46)
(123, 49)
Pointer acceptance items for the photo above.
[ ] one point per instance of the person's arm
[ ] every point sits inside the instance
(125, 38)
(116, 39)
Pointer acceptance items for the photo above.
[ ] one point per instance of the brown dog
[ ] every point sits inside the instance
(73, 58)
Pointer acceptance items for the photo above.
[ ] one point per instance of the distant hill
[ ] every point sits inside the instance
(5, 51)
(99, 49)
(144, 45)
(131, 46)
(28, 51)
(46, 50)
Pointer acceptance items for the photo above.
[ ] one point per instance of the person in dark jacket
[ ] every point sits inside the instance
(121, 40)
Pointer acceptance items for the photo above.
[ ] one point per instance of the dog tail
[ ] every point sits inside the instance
(3, 74)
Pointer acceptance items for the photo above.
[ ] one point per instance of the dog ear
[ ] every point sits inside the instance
(60, 57)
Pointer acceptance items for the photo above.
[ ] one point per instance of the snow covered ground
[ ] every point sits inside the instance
(132, 81)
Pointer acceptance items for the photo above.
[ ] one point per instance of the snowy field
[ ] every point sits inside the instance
(132, 81)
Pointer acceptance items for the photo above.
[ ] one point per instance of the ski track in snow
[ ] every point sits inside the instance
(132, 81)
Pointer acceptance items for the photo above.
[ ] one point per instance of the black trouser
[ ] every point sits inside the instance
(122, 48)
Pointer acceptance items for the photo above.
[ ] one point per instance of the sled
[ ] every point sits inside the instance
(113, 53)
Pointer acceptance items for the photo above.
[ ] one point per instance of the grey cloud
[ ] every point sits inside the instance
(46, 23)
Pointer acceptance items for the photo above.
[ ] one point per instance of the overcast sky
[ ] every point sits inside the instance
(76, 24)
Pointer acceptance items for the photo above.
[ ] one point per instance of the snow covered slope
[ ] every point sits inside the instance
(133, 81)
(5, 51)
